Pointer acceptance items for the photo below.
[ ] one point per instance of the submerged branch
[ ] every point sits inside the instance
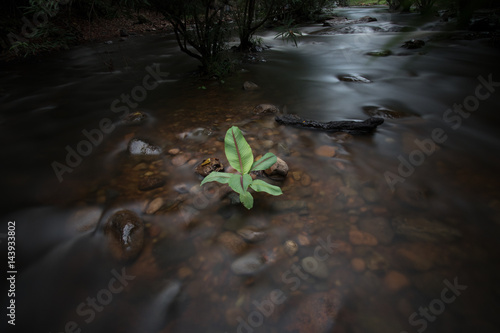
(355, 127)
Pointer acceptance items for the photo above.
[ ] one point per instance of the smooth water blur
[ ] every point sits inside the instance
(182, 281)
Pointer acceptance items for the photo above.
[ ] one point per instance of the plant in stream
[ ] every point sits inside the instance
(240, 156)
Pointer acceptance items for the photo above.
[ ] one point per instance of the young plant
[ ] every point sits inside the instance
(240, 156)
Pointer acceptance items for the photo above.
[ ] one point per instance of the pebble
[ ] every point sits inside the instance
(378, 227)
(369, 194)
(184, 272)
(174, 151)
(290, 247)
(154, 205)
(395, 281)
(303, 240)
(140, 166)
(266, 109)
(358, 264)
(325, 151)
(315, 267)
(358, 237)
(305, 180)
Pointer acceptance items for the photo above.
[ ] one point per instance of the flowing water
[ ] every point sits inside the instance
(395, 232)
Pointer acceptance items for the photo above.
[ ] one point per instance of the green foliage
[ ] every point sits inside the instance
(289, 32)
(240, 156)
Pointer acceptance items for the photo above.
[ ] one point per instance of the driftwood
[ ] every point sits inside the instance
(353, 127)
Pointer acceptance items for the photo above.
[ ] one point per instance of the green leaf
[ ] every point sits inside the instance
(238, 151)
(246, 199)
(214, 176)
(239, 183)
(265, 162)
(261, 186)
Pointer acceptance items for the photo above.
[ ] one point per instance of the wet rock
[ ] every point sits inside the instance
(251, 235)
(366, 19)
(151, 182)
(277, 171)
(125, 232)
(249, 264)
(232, 242)
(290, 247)
(290, 205)
(383, 53)
(198, 134)
(140, 167)
(358, 264)
(418, 256)
(266, 109)
(395, 281)
(325, 151)
(135, 118)
(315, 267)
(413, 44)
(249, 85)
(209, 165)
(353, 78)
(378, 227)
(378, 111)
(154, 205)
(303, 240)
(140, 147)
(181, 159)
(181, 188)
(357, 237)
(419, 228)
(85, 218)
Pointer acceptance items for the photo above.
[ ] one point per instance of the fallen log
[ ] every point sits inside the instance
(350, 126)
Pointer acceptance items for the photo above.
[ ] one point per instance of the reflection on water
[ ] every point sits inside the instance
(395, 232)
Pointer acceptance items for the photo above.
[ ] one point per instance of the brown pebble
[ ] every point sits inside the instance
(358, 264)
(151, 182)
(395, 281)
(325, 151)
(358, 237)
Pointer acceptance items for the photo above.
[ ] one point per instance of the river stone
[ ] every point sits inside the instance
(135, 118)
(278, 170)
(395, 281)
(251, 235)
(154, 205)
(139, 147)
(413, 44)
(325, 151)
(232, 242)
(209, 165)
(366, 19)
(249, 264)
(382, 53)
(315, 267)
(290, 247)
(151, 182)
(266, 109)
(358, 264)
(125, 232)
(382, 112)
(249, 85)
(422, 229)
(353, 78)
(181, 159)
(378, 227)
(369, 194)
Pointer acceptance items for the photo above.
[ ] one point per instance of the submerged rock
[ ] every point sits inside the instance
(251, 235)
(378, 227)
(382, 53)
(125, 232)
(419, 228)
(209, 165)
(232, 242)
(315, 267)
(135, 118)
(151, 182)
(366, 19)
(290, 247)
(325, 151)
(413, 44)
(140, 147)
(378, 111)
(249, 264)
(249, 85)
(353, 78)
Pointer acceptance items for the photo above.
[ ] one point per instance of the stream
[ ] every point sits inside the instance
(394, 231)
